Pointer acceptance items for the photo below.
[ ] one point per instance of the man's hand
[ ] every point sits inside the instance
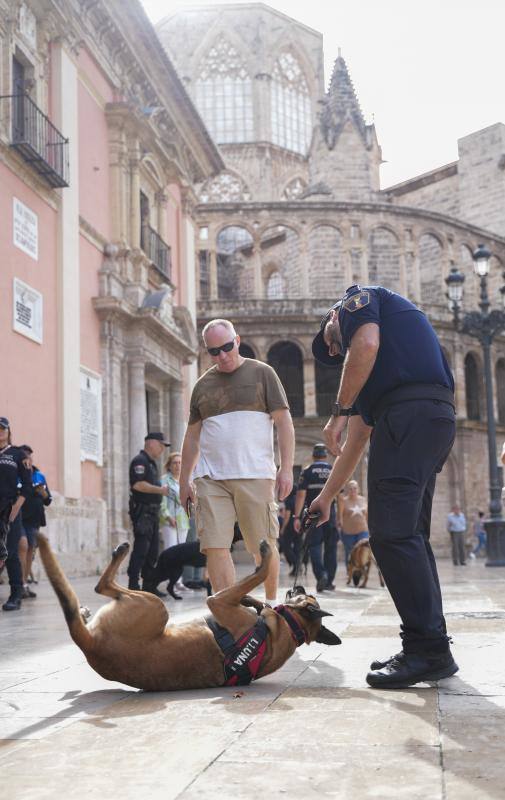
(186, 492)
(283, 483)
(332, 433)
(297, 525)
(322, 506)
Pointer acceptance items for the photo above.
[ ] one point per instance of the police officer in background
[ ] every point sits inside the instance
(312, 479)
(396, 390)
(145, 500)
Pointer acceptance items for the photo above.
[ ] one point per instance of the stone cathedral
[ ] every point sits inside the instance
(299, 214)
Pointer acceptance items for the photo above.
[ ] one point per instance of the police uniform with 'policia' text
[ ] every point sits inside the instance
(144, 513)
(408, 398)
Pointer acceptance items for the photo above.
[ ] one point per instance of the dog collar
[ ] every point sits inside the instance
(297, 632)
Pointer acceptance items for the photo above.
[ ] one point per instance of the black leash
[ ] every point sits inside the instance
(307, 524)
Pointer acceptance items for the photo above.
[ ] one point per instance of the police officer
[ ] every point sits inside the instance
(398, 392)
(15, 487)
(145, 500)
(312, 479)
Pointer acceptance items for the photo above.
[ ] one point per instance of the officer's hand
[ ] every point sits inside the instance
(332, 433)
(165, 490)
(322, 506)
(186, 492)
(283, 483)
(297, 525)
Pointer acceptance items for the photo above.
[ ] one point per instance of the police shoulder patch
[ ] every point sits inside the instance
(357, 301)
(139, 469)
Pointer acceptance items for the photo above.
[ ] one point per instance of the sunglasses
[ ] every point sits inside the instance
(226, 348)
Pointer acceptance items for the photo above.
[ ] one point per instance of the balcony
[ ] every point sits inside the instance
(156, 250)
(37, 140)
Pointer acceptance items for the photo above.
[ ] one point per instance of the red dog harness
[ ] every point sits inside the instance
(242, 658)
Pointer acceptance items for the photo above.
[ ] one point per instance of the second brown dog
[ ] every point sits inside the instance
(360, 561)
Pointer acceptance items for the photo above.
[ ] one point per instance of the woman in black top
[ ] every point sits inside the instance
(15, 486)
(33, 517)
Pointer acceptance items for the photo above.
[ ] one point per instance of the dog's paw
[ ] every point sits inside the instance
(120, 550)
(85, 613)
(265, 548)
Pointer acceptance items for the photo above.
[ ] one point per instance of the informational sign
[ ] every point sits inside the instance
(27, 311)
(25, 233)
(28, 25)
(91, 417)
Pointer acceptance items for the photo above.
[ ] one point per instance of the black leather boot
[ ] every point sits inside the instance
(13, 603)
(408, 669)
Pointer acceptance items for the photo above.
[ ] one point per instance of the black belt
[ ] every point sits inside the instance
(412, 391)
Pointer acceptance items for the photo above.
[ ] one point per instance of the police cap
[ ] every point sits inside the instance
(319, 450)
(158, 436)
(320, 349)
(4, 422)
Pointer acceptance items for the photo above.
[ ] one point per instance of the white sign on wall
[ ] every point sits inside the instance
(25, 231)
(91, 417)
(27, 311)
(28, 24)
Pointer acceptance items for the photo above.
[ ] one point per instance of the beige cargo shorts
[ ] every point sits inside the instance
(248, 501)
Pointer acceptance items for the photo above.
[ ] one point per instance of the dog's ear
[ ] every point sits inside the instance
(317, 613)
(326, 636)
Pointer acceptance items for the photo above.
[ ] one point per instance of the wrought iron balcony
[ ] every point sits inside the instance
(37, 139)
(156, 250)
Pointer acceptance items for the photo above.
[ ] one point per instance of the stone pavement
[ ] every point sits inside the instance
(311, 730)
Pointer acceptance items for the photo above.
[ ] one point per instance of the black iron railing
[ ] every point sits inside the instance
(156, 250)
(38, 141)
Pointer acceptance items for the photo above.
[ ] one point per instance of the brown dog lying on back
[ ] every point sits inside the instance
(128, 640)
(360, 561)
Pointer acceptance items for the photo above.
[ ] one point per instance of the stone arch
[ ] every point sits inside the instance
(275, 288)
(235, 270)
(287, 360)
(430, 270)
(279, 244)
(500, 390)
(327, 273)
(473, 382)
(246, 350)
(153, 171)
(384, 257)
(327, 383)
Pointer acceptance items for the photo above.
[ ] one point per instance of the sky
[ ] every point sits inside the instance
(426, 72)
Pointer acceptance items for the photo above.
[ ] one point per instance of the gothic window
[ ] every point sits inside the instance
(286, 359)
(472, 387)
(224, 188)
(290, 116)
(500, 390)
(275, 286)
(294, 189)
(223, 95)
(281, 246)
(234, 272)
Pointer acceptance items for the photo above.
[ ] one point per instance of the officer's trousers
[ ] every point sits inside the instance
(409, 445)
(145, 544)
(326, 535)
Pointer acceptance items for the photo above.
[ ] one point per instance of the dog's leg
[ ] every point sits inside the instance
(225, 605)
(107, 584)
(365, 579)
(251, 602)
(349, 574)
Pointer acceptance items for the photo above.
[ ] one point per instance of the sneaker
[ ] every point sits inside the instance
(472, 555)
(12, 604)
(408, 669)
(27, 593)
(322, 583)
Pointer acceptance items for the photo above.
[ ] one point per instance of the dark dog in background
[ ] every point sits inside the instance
(360, 561)
(171, 563)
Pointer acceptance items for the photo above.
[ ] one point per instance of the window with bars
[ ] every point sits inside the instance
(223, 95)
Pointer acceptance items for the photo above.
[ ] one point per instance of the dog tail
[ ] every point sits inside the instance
(66, 595)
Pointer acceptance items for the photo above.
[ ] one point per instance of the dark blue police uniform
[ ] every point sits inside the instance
(15, 480)
(409, 400)
(145, 514)
(312, 480)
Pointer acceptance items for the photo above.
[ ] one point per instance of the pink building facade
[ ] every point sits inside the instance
(99, 149)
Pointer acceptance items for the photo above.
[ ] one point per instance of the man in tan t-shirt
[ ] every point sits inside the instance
(228, 451)
(352, 515)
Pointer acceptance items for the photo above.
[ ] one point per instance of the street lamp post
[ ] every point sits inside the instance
(484, 325)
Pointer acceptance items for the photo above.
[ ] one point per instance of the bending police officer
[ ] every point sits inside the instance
(312, 480)
(396, 390)
(145, 499)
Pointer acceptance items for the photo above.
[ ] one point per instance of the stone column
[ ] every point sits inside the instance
(459, 379)
(304, 265)
(258, 282)
(212, 275)
(177, 419)
(134, 236)
(162, 203)
(137, 405)
(309, 387)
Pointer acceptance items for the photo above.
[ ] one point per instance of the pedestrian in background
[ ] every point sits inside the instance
(15, 486)
(456, 526)
(33, 518)
(352, 513)
(322, 540)
(174, 521)
(146, 493)
(480, 535)
(228, 449)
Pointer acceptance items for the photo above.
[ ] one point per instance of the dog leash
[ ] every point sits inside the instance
(307, 524)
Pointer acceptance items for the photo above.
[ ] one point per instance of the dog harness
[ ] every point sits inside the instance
(242, 658)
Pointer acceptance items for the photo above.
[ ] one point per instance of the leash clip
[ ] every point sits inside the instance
(308, 519)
